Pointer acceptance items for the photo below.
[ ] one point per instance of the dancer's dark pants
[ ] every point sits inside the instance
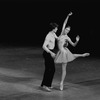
(49, 70)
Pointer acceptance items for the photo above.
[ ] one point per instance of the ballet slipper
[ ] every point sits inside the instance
(61, 86)
(46, 88)
(51, 87)
(86, 54)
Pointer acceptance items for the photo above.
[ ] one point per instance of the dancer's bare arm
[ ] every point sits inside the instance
(65, 22)
(73, 44)
(45, 47)
(56, 36)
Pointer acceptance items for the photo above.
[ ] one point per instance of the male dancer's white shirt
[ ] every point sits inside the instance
(49, 42)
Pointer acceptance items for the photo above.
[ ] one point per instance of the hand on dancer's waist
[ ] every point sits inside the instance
(53, 54)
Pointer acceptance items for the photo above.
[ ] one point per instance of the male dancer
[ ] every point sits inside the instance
(48, 55)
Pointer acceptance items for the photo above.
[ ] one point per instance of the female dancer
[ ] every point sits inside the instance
(64, 55)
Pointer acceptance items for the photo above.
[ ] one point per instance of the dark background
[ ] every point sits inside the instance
(26, 23)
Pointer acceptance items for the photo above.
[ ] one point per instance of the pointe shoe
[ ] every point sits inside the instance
(61, 86)
(86, 54)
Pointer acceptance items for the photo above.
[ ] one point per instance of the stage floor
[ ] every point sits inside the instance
(21, 72)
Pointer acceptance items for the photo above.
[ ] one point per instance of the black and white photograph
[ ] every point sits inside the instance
(49, 50)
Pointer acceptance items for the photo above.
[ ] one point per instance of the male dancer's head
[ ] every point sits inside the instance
(54, 27)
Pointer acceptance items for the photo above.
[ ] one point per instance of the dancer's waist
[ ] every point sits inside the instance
(52, 50)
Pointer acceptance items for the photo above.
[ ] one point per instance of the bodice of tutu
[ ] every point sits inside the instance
(64, 55)
(61, 42)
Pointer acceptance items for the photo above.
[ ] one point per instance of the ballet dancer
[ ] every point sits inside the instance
(48, 55)
(64, 55)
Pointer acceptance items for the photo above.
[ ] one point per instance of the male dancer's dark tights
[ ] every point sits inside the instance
(49, 70)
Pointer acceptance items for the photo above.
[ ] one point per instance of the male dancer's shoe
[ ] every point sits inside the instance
(51, 87)
(46, 88)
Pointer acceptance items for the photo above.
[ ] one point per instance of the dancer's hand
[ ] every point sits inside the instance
(53, 55)
(70, 13)
(77, 38)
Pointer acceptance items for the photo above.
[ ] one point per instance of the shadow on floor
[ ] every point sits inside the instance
(89, 82)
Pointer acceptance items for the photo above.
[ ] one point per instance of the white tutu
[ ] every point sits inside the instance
(64, 56)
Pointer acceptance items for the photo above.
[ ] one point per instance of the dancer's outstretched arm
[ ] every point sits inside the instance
(65, 22)
(70, 41)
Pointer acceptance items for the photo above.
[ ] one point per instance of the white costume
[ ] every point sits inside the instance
(63, 55)
(50, 40)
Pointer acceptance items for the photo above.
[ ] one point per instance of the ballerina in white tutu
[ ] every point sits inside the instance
(64, 55)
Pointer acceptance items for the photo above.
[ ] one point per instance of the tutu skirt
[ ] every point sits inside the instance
(64, 56)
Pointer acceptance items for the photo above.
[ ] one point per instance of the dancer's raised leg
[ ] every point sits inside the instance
(81, 55)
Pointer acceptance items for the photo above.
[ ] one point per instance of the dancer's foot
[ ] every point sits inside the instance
(51, 87)
(86, 54)
(61, 86)
(46, 88)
